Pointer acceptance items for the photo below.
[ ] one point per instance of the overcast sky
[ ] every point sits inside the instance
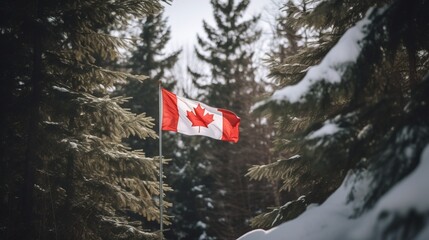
(185, 18)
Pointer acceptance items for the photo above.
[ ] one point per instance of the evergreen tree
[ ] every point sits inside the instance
(285, 40)
(190, 174)
(287, 62)
(231, 84)
(150, 59)
(65, 172)
(363, 115)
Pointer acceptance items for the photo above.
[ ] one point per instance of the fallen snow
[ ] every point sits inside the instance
(334, 218)
(254, 235)
(411, 194)
(424, 234)
(326, 221)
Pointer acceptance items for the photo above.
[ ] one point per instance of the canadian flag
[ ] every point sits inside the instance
(194, 118)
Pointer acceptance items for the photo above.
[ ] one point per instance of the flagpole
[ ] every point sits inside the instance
(161, 191)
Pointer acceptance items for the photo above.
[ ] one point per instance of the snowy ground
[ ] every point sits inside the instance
(334, 218)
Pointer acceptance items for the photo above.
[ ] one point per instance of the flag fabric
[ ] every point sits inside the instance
(195, 118)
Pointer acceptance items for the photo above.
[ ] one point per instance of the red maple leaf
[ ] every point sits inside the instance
(198, 118)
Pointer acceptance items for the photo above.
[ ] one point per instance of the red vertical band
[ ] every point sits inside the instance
(231, 125)
(170, 113)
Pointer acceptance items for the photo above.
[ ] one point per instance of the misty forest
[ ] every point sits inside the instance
(332, 96)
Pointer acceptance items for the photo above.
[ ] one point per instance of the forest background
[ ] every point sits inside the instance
(339, 93)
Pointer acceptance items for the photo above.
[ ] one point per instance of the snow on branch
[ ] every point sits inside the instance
(345, 53)
(328, 129)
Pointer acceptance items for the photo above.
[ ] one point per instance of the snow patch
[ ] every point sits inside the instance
(365, 131)
(73, 145)
(256, 234)
(51, 123)
(182, 170)
(411, 194)
(203, 236)
(334, 218)
(424, 234)
(198, 188)
(61, 89)
(331, 68)
(202, 166)
(201, 225)
(318, 222)
(327, 129)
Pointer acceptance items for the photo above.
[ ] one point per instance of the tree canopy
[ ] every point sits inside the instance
(344, 100)
(67, 174)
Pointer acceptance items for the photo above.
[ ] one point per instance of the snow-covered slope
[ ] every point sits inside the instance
(408, 200)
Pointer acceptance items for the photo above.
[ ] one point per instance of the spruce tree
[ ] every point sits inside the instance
(362, 119)
(190, 174)
(231, 83)
(66, 172)
(149, 59)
